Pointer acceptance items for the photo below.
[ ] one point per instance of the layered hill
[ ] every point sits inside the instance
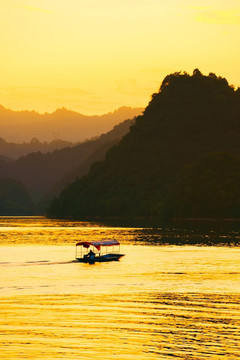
(44, 175)
(14, 151)
(180, 159)
(19, 126)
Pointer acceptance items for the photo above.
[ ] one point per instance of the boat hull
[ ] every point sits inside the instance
(101, 258)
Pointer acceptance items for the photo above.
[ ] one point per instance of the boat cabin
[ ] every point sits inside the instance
(98, 251)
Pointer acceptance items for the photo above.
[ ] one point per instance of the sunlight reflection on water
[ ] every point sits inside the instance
(158, 302)
(22, 230)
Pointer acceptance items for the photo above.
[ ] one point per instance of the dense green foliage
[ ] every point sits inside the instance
(14, 199)
(165, 166)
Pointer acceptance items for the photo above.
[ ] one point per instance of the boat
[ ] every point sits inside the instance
(98, 251)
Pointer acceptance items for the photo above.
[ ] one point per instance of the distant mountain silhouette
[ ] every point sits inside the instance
(19, 126)
(180, 159)
(14, 150)
(45, 175)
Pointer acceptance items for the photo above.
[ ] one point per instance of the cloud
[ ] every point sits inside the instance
(219, 17)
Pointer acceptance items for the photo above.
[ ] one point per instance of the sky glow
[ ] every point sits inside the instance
(95, 56)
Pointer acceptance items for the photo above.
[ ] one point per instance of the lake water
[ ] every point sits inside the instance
(160, 301)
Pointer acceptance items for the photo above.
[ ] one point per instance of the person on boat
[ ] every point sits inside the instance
(91, 257)
(91, 253)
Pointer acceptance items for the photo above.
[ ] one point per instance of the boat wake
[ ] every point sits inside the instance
(39, 262)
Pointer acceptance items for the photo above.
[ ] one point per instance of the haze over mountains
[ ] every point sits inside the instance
(19, 126)
(45, 175)
(181, 158)
(11, 150)
(36, 170)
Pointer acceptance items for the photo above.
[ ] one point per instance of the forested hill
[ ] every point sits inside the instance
(180, 159)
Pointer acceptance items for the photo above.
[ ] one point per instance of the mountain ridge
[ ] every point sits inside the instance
(62, 124)
(14, 151)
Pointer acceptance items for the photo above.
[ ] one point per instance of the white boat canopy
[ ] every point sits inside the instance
(98, 244)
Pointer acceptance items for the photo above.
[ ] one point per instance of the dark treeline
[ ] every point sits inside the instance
(181, 158)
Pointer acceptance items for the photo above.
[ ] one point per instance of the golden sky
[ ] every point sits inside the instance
(94, 56)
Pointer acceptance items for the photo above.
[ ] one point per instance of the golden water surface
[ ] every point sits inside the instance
(160, 301)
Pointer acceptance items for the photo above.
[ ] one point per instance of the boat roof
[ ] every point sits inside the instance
(98, 243)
